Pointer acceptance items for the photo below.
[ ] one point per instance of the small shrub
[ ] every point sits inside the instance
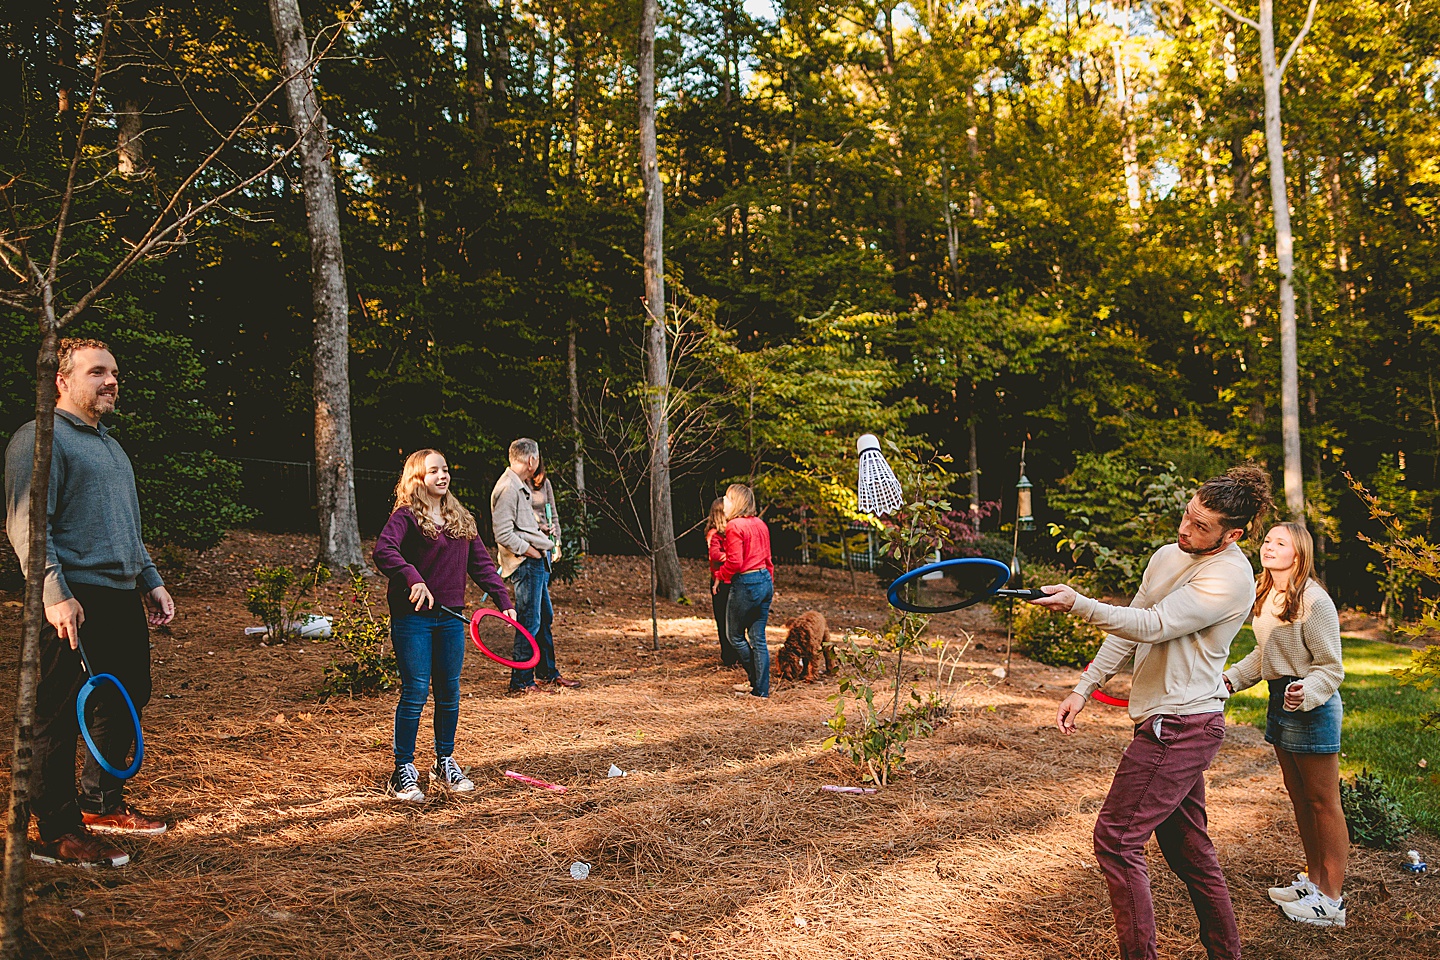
(1054, 638)
(371, 669)
(1374, 817)
(278, 597)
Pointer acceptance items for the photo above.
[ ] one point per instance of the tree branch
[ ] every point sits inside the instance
(1295, 44)
(1243, 19)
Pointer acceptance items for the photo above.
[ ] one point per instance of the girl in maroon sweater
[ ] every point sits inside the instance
(426, 550)
(749, 571)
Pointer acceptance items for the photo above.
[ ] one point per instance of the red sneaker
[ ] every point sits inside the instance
(125, 820)
(79, 849)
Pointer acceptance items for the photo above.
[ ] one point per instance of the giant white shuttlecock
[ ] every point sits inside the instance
(879, 490)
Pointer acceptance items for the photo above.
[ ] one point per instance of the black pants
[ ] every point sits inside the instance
(718, 602)
(117, 640)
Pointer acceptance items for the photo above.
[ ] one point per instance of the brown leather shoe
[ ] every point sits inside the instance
(123, 819)
(79, 849)
(563, 682)
(522, 691)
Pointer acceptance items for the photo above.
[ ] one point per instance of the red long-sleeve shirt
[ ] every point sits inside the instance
(747, 547)
(715, 540)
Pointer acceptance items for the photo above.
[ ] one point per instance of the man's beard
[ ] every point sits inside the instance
(101, 404)
(1200, 551)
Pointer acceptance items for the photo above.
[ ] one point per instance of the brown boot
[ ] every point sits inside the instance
(79, 849)
(124, 820)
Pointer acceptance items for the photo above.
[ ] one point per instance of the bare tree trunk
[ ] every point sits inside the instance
(474, 13)
(974, 472)
(952, 231)
(574, 370)
(130, 143)
(500, 65)
(17, 847)
(1129, 151)
(334, 450)
(1272, 73)
(668, 579)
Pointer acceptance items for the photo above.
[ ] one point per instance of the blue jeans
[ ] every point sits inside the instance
(747, 612)
(530, 587)
(430, 648)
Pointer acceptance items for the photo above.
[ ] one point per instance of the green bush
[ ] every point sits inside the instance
(279, 596)
(1374, 817)
(1053, 638)
(371, 668)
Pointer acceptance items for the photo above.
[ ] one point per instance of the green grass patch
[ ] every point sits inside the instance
(1381, 731)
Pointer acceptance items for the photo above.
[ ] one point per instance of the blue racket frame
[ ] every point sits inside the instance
(89, 687)
(1000, 570)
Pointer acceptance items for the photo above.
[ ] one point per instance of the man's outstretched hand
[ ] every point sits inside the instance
(1057, 597)
(1070, 708)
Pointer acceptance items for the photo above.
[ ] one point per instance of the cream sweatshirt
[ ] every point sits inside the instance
(1178, 628)
(1308, 647)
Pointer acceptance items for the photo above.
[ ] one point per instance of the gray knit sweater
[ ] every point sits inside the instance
(94, 512)
(1308, 647)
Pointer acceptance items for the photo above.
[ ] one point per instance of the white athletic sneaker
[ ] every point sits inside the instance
(1300, 888)
(405, 784)
(1316, 909)
(446, 775)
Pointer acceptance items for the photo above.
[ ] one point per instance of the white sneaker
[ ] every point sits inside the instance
(1316, 909)
(447, 776)
(1300, 888)
(405, 784)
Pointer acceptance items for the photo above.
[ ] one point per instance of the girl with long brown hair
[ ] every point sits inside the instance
(1297, 649)
(719, 592)
(748, 570)
(427, 548)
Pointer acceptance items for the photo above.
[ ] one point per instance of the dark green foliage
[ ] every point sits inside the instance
(1374, 817)
(370, 668)
(1054, 638)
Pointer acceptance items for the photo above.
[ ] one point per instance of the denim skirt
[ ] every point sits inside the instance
(1303, 731)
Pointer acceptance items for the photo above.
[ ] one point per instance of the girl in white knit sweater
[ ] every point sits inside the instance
(1297, 649)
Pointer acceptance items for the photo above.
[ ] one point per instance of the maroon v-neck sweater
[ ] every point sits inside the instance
(407, 557)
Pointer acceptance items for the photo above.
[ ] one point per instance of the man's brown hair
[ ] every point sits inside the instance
(68, 347)
(1241, 496)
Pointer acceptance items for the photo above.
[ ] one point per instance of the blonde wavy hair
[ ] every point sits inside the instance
(1300, 576)
(457, 522)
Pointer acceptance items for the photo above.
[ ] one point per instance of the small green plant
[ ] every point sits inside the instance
(875, 743)
(1054, 638)
(363, 636)
(1374, 817)
(1409, 558)
(279, 596)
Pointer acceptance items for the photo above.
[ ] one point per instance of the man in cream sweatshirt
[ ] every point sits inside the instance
(1193, 600)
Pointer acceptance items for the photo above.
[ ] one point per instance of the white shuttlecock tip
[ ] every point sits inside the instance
(867, 441)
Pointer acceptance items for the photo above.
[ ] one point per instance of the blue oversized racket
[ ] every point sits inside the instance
(954, 585)
(89, 687)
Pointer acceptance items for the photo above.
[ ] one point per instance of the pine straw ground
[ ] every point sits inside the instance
(718, 844)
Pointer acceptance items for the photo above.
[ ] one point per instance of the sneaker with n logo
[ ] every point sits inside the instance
(1317, 910)
(1288, 894)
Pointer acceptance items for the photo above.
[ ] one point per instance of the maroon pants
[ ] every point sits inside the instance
(1160, 789)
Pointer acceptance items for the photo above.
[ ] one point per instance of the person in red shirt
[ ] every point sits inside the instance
(719, 592)
(749, 571)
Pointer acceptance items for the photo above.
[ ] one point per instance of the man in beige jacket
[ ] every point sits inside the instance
(1193, 600)
(524, 555)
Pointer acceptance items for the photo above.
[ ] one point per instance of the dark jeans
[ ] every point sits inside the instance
(530, 586)
(718, 601)
(1159, 788)
(747, 612)
(117, 640)
(430, 650)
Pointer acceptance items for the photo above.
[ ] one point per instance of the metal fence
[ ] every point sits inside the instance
(282, 493)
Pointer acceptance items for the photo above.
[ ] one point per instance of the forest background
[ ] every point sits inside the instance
(962, 225)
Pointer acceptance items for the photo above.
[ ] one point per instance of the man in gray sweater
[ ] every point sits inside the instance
(101, 589)
(523, 554)
(1193, 600)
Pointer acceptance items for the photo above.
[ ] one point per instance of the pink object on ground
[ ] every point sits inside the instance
(832, 788)
(531, 781)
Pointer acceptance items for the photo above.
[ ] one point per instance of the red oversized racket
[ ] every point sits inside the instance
(1104, 697)
(490, 628)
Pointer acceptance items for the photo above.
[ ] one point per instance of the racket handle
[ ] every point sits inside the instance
(457, 614)
(1028, 594)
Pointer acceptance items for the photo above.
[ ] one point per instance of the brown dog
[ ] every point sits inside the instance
(807, 642)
